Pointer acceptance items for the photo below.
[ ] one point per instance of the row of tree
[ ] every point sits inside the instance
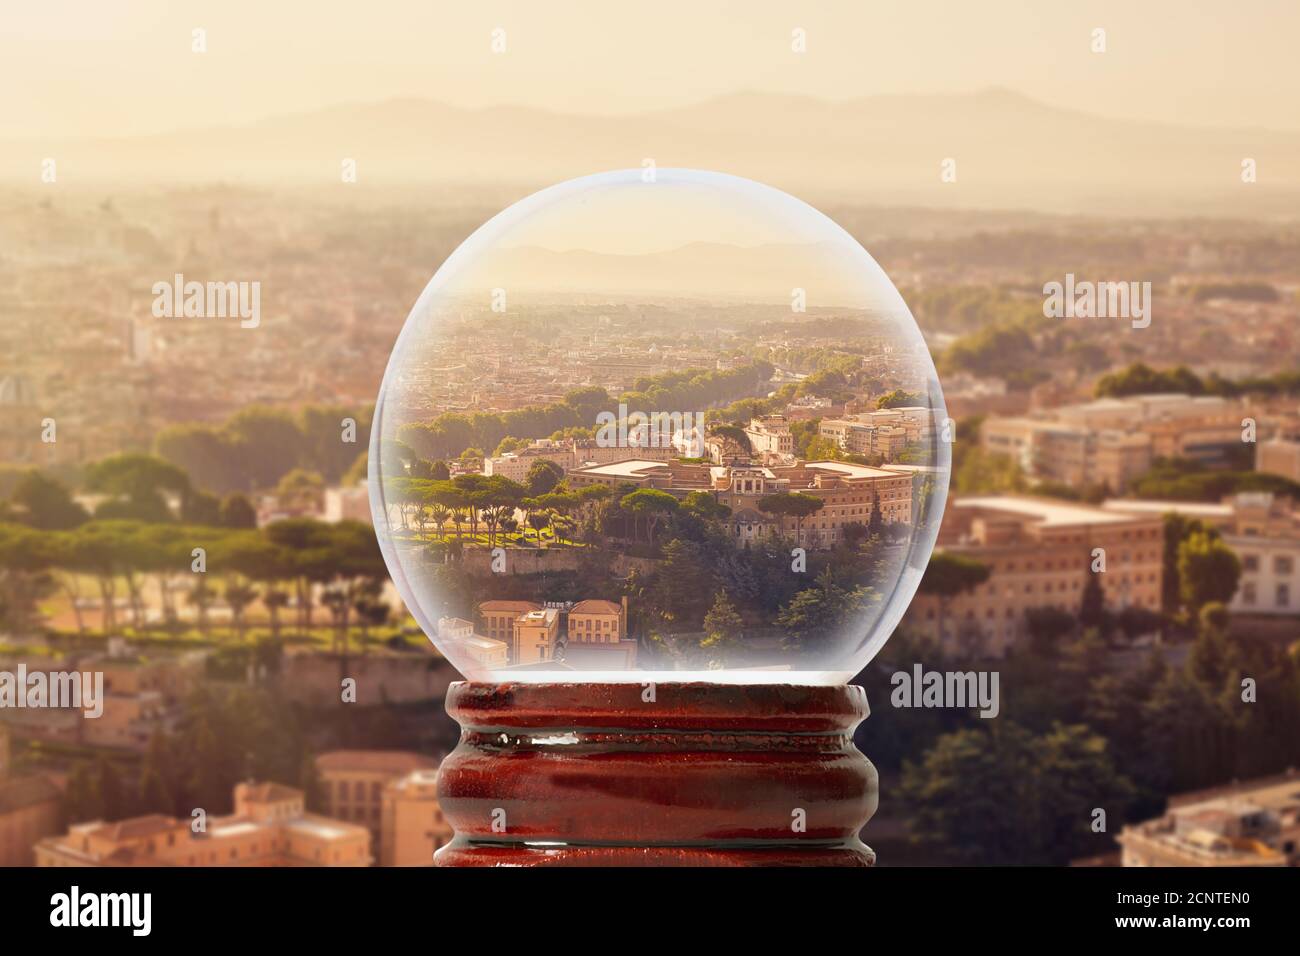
(258, 446)
(450, 433)
(288, 562)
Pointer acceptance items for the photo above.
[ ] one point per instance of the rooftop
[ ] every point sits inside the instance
(595, 606)
(1050, 513)
(629, 468)
(850, 470)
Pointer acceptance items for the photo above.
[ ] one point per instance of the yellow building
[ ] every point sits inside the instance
(498, 619)
(597, 622)
(458, 634)
(535, 635)
(268, 828)
(413, 827)
(354, 782)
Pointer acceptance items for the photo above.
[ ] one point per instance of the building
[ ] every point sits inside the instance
(770, 435)
(596, 637)
(269, 827)
(515, 465)
(528, 630)
(535, 636)
(1072, 455)
(1040, 554)
(413, 827)
(597, 622)
(142, 695)
(882, 433)
(1111, 441)
(1279, 457)
(353, 783)
(29, 810)
(849, 493)
(351, 503)
(1263, 530)
(486, 652)
(1251, 824)
(498, 618)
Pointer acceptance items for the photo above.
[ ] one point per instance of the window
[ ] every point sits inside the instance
(1282, 564)
(1250, 562)
(1248, 595)
(1283, 595)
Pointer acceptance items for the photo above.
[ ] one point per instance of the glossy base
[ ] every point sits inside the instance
(659, 775)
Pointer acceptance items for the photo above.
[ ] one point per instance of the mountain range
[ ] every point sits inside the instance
(1010, 151)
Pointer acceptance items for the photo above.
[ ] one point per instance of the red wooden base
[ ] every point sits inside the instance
(656, 775)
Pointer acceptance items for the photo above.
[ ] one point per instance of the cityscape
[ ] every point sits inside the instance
(539, 439)
(669, 454)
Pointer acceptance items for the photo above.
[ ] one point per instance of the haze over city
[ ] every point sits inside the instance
(336, 155)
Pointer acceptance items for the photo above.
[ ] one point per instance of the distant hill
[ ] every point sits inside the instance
(759, 273)
(1011, 152)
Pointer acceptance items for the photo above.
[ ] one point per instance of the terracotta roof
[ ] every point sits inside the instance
(396, 762)
(595, 607)
(137, 827)
(508, 607)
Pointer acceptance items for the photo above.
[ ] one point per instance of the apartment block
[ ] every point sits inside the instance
(412, 827)
(354, 783)
(1040, 554)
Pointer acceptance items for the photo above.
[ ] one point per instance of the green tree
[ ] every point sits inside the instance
(948, 575)
(1092, 603)
(81, 801)
(817, 613)
(44, 502)
(794, 505)
(1046, 627)
(137, 485)
(543, 476)
(723, 624)
(238, 512)
(999, 795)
(109, 790)
(649, 504)
(1208, 570)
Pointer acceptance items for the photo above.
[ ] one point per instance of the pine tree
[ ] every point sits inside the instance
(1092, 608)
(309, 783)
(723, 623)
(110, 791)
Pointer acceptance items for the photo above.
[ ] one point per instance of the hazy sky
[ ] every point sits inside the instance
(77, 68)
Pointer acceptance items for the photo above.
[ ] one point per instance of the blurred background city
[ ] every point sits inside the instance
(338, 156)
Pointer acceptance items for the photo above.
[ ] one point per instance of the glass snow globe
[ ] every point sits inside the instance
(659, 426)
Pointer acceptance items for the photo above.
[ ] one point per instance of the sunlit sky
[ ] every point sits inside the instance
(97, 68)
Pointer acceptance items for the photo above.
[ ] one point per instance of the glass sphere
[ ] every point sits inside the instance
(659, 425)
